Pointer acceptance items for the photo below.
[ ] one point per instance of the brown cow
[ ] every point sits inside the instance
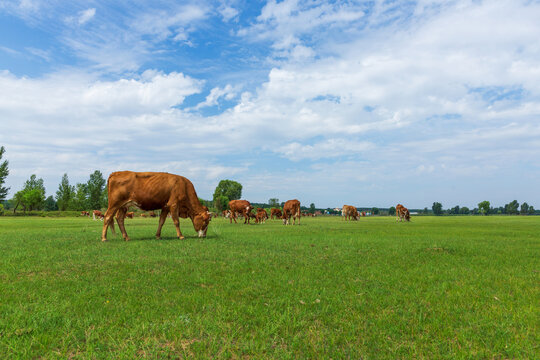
(240, 206)
(261, 216)
(291, 208)
(97, 214)
(152, 191)
(144, 215)
(402, 213)
(85, 213)
(348, 212)
(130, 214)
(275, 212)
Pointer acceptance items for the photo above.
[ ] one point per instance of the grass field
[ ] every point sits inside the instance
(435, 288)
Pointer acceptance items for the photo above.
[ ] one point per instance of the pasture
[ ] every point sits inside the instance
(438, 287)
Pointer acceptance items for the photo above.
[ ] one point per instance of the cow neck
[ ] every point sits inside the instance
(196, 207)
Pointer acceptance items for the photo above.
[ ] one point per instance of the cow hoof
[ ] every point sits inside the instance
(104, 240)
(181, 238)
(126, 239)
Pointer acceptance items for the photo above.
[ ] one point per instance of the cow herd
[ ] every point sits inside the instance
(175, 197)
(243, 208)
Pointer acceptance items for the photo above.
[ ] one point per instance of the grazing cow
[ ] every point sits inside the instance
(261, 216)
(348, 212)
(402, 213)
(85, 213)
(170, 193)
(226, 213)
(275, 212)
(291, 208)
(144, 215)
(130, 214)
(240, 206)
(97, 214)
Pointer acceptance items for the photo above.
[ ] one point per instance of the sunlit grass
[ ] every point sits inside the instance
(438, 287)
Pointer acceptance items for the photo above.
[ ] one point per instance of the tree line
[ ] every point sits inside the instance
(82, 196)
(485, 208)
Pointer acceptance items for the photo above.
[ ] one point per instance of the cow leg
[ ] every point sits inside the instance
(108, 220)
(120, 216)
(162, 218)
(174, 216)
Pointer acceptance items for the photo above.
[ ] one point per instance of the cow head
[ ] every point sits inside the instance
(201, 221)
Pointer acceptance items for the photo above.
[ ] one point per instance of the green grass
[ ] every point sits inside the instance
(435, 288)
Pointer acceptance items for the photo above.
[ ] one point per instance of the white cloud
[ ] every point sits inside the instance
(227, 12)
(228, 93)
(86, 15)
(285, 22)
(331, 148)
(80, 95)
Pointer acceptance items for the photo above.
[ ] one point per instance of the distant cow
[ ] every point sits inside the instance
(275, 212)
(96, 214)
(85, 213)
(240, 206)
(170, 193)
(144, 215)
(261, 216)
(291, 208)
(348, 212)
(402, 213)
(226, 213)
(130, 214)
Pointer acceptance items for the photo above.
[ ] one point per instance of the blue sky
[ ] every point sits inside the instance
(370, 103)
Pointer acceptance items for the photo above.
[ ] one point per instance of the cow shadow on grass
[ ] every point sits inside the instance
(162, 238)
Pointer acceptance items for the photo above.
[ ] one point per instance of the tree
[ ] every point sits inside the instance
(454, 210)
(437, 208)
(512, 208)
(524, 209)
(375, 211)
(312, 208)
(426, 211)
(4, 172)
(65, 194)
(483, 207)
(32, 196)
(50, 204)
(226, 191)
(464, 210)
(273, 202)
(80, 200)
(531, 210)
(392, 210)
(96, 187)
(221, 202)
